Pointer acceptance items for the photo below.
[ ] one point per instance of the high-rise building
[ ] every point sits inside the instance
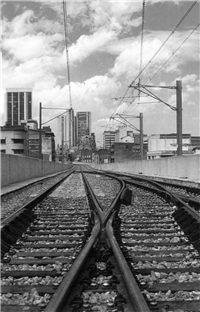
(19, 105)
(83, 123)
(108, 139)
(67, 129)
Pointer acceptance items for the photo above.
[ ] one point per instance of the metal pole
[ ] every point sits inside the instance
(62, 124)
(141, 136)
(40, 132)
(179, 116)
(70, 128)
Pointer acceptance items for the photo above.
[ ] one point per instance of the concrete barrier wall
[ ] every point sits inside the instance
(186, 167)
(18, 168)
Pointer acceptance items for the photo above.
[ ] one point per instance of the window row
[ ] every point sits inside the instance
(15, 151)
(15, 141)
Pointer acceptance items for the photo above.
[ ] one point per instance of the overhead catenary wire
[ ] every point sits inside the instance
(174, 52)
(142, 35)
(67, 52)
(122, 98)
(172, 32)
(142, 70)
(150, 79)
(141, 44)
(53, 118)
(141, 55)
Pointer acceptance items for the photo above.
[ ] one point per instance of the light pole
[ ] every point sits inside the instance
(178, 107)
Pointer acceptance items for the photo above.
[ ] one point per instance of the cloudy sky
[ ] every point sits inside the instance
(105, 58)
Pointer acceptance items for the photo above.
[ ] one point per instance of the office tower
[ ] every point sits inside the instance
(108, 139)
(19, 105)
(83, 122)
(67, 129)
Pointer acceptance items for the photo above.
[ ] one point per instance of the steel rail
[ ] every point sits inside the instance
(133, 290)
(162, 191)
(178, 198)
(40, 179)
(174, 198)
(33, 202)
(104, 216)
(95, 202)
(12, 228)
(58, 300)
(132, 176)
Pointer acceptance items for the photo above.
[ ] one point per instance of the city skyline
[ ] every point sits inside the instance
(104, 55)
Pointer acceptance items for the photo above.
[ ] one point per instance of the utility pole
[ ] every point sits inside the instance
(141, 136)
(62, 133)
(178, 108)
(40, 132)
(179, 116)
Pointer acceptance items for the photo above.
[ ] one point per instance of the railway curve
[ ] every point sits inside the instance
(100, 243)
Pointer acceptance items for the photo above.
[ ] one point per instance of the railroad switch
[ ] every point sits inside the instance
(126, 197)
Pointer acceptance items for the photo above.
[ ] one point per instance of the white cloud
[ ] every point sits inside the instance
(30, 46)
(94, 94)
(34, 57)
(19, 26)
(120, 11)
(25, 38)
(192, 79)
(86, 45)
(126, 64)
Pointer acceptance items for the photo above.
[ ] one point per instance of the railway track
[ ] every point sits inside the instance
(189, 195)
(92, 246)
(160, 252)
(28, 192)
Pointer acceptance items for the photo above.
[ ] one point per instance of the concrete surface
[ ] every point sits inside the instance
(186, 168)
(19, 168)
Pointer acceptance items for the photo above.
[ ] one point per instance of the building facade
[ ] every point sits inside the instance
(108, 139)
(66, 128)
(165, 145)
(21, 140)
(102, 156)
(87, 147)
(83, 125)
(18, 105)
(126, 151)
(14, 140)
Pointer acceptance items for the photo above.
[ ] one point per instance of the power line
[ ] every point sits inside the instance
(122, 98)
(179, 23)
(66, 45)
(141, 71)
(142, 35)
(172, 32)
(174, 52)
(141, 48)
(141, 53)
(53, 118)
